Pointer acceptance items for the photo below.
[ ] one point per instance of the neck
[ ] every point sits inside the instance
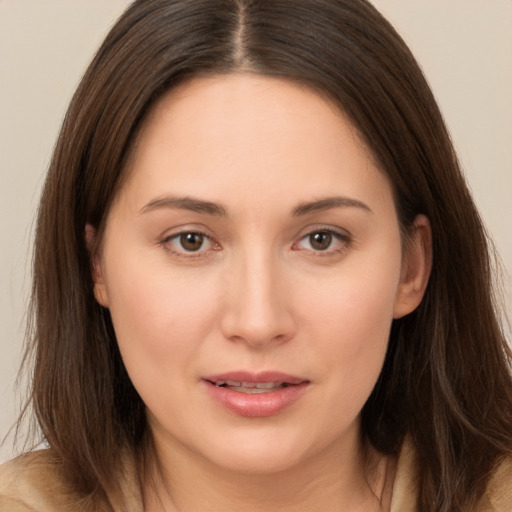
(351, 479)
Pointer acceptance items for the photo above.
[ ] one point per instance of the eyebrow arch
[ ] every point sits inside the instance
(327, 203)
(184, 203)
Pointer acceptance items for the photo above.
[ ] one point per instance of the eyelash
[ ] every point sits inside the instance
(184, 253)
(342, 239)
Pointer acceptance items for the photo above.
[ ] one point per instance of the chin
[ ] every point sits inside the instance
(263, 451)
(258, 460)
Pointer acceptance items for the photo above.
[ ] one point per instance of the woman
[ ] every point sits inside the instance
(260, 282)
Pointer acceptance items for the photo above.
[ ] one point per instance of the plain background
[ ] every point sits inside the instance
(464, 47)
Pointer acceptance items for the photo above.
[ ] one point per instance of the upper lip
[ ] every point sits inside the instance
(256, 377)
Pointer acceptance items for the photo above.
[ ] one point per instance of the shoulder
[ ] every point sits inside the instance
(496, 498)
(36, 482)
(498, 495)
(33, 482)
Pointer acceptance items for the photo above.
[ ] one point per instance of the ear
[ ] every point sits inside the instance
(416, 267)
(100, 290)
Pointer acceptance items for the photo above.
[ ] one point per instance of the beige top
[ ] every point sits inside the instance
(31, 483)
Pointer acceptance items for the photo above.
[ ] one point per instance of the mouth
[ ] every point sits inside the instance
(257, 382)
(256, 394)
(251, 387)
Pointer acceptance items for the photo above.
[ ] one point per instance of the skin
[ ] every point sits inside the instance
(259, 294)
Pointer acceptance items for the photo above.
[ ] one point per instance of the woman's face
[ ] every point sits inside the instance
(252, 265)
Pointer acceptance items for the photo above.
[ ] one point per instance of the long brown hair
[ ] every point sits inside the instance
(446, 379)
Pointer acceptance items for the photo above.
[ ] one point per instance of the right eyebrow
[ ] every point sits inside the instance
(184, 203)
(327, 203)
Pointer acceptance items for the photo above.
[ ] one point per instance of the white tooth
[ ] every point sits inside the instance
(248, 384)
(268, 385)
(250, 390)
(233, 383)
(220, 383)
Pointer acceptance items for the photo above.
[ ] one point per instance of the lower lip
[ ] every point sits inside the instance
(257, 405)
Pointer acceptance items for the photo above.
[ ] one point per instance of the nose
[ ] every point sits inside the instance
(258, 304)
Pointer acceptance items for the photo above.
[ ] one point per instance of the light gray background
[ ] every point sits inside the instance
(464, 47)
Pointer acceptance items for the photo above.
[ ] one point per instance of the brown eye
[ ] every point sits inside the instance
(188, 244)
(324, 242)
(192, 241)
(321, 240)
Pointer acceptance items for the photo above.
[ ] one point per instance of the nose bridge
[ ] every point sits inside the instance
(257, 310)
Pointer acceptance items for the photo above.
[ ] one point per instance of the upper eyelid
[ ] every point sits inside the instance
(341, 232)
(334, 231)
(341, 236)
(183, 229)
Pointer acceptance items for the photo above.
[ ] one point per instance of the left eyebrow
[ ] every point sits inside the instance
(185, 203)
(328, 203)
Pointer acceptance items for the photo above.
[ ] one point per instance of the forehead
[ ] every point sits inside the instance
(225, 135)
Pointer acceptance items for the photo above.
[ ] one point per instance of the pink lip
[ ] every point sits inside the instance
(256, 405)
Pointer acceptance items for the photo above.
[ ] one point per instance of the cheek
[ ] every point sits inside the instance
(355, 305)
(355, 336)
(352, 318)
(160, 317)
